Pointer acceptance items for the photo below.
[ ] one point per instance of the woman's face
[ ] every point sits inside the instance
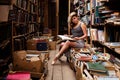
(74, 19)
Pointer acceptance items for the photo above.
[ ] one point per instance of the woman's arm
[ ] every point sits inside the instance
(84, 28)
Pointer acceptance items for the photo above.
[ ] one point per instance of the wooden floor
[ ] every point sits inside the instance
(61, 70)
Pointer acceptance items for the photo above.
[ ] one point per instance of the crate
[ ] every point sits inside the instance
(37, 44)
(37, 68)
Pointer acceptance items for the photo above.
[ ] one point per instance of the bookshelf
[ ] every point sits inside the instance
(5, 39)
(19, 21)
(24, 16)
(104, 25)
(5, 48)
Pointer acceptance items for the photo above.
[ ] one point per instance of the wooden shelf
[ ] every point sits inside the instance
(99, 24)
(18, 36)
(23, 16)
(20, 8)
(112, 24)
(111, 49)
(3, 2)
(4, 43)
(112, 44)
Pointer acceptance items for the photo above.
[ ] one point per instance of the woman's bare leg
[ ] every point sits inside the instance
(64, 47)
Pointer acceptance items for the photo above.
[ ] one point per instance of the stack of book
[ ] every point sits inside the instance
(83, 57)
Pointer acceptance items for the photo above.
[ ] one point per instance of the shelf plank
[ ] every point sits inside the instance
(112, 44)
(4, 43)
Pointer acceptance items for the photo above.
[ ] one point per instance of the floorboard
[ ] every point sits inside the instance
(61, 70)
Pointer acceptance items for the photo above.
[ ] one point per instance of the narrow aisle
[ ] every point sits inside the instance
(61, 70)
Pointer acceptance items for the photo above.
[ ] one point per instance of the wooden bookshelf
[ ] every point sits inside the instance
(110, 29)
(18, 23)
(24, 16)
(5, 48)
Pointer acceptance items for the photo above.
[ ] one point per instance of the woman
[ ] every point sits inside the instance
(79, 33)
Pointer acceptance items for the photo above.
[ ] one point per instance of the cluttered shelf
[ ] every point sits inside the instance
(24, 35)
(111, 47)
(98, 25)
(93, 66)
(4, 43)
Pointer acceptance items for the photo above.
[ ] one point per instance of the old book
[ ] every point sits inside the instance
(4, 11)
(12, 16)
(83, 57)
(99, 73)
(96, 66)
(64, 38)
(101, 36)
(107, 78)
(94, 34)
(18, 75)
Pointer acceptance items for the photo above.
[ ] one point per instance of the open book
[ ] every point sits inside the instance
(64, 38)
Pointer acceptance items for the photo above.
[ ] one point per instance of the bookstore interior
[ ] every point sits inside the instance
(31, 29)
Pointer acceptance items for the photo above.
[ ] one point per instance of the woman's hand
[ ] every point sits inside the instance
(76, 38)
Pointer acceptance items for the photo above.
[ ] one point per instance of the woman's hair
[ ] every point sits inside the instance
(73, 24)
(72, 14)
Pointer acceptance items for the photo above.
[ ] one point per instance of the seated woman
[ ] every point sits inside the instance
(79, 33)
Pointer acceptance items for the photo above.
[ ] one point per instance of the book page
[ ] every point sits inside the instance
(63, 37)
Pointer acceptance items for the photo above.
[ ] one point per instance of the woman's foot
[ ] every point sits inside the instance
(53, 62)
(55, 59)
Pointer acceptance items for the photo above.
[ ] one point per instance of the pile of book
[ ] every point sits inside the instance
(83, 57)
(100, 71)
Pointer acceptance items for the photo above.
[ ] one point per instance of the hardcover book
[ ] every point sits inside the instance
(96, 66)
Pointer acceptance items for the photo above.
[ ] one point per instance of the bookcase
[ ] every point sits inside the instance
(19, 21)
(5, 48)
(25, 18)
(104, 25)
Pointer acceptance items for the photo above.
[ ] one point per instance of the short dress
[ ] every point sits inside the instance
(78, 32)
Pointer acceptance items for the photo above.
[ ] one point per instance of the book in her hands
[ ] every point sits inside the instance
(64, 37)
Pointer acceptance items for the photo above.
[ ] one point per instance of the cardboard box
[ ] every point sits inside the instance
(33, 44)
(20, 62)
(44, 54)
(52, 45)
(37, 75)
(79, 73)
